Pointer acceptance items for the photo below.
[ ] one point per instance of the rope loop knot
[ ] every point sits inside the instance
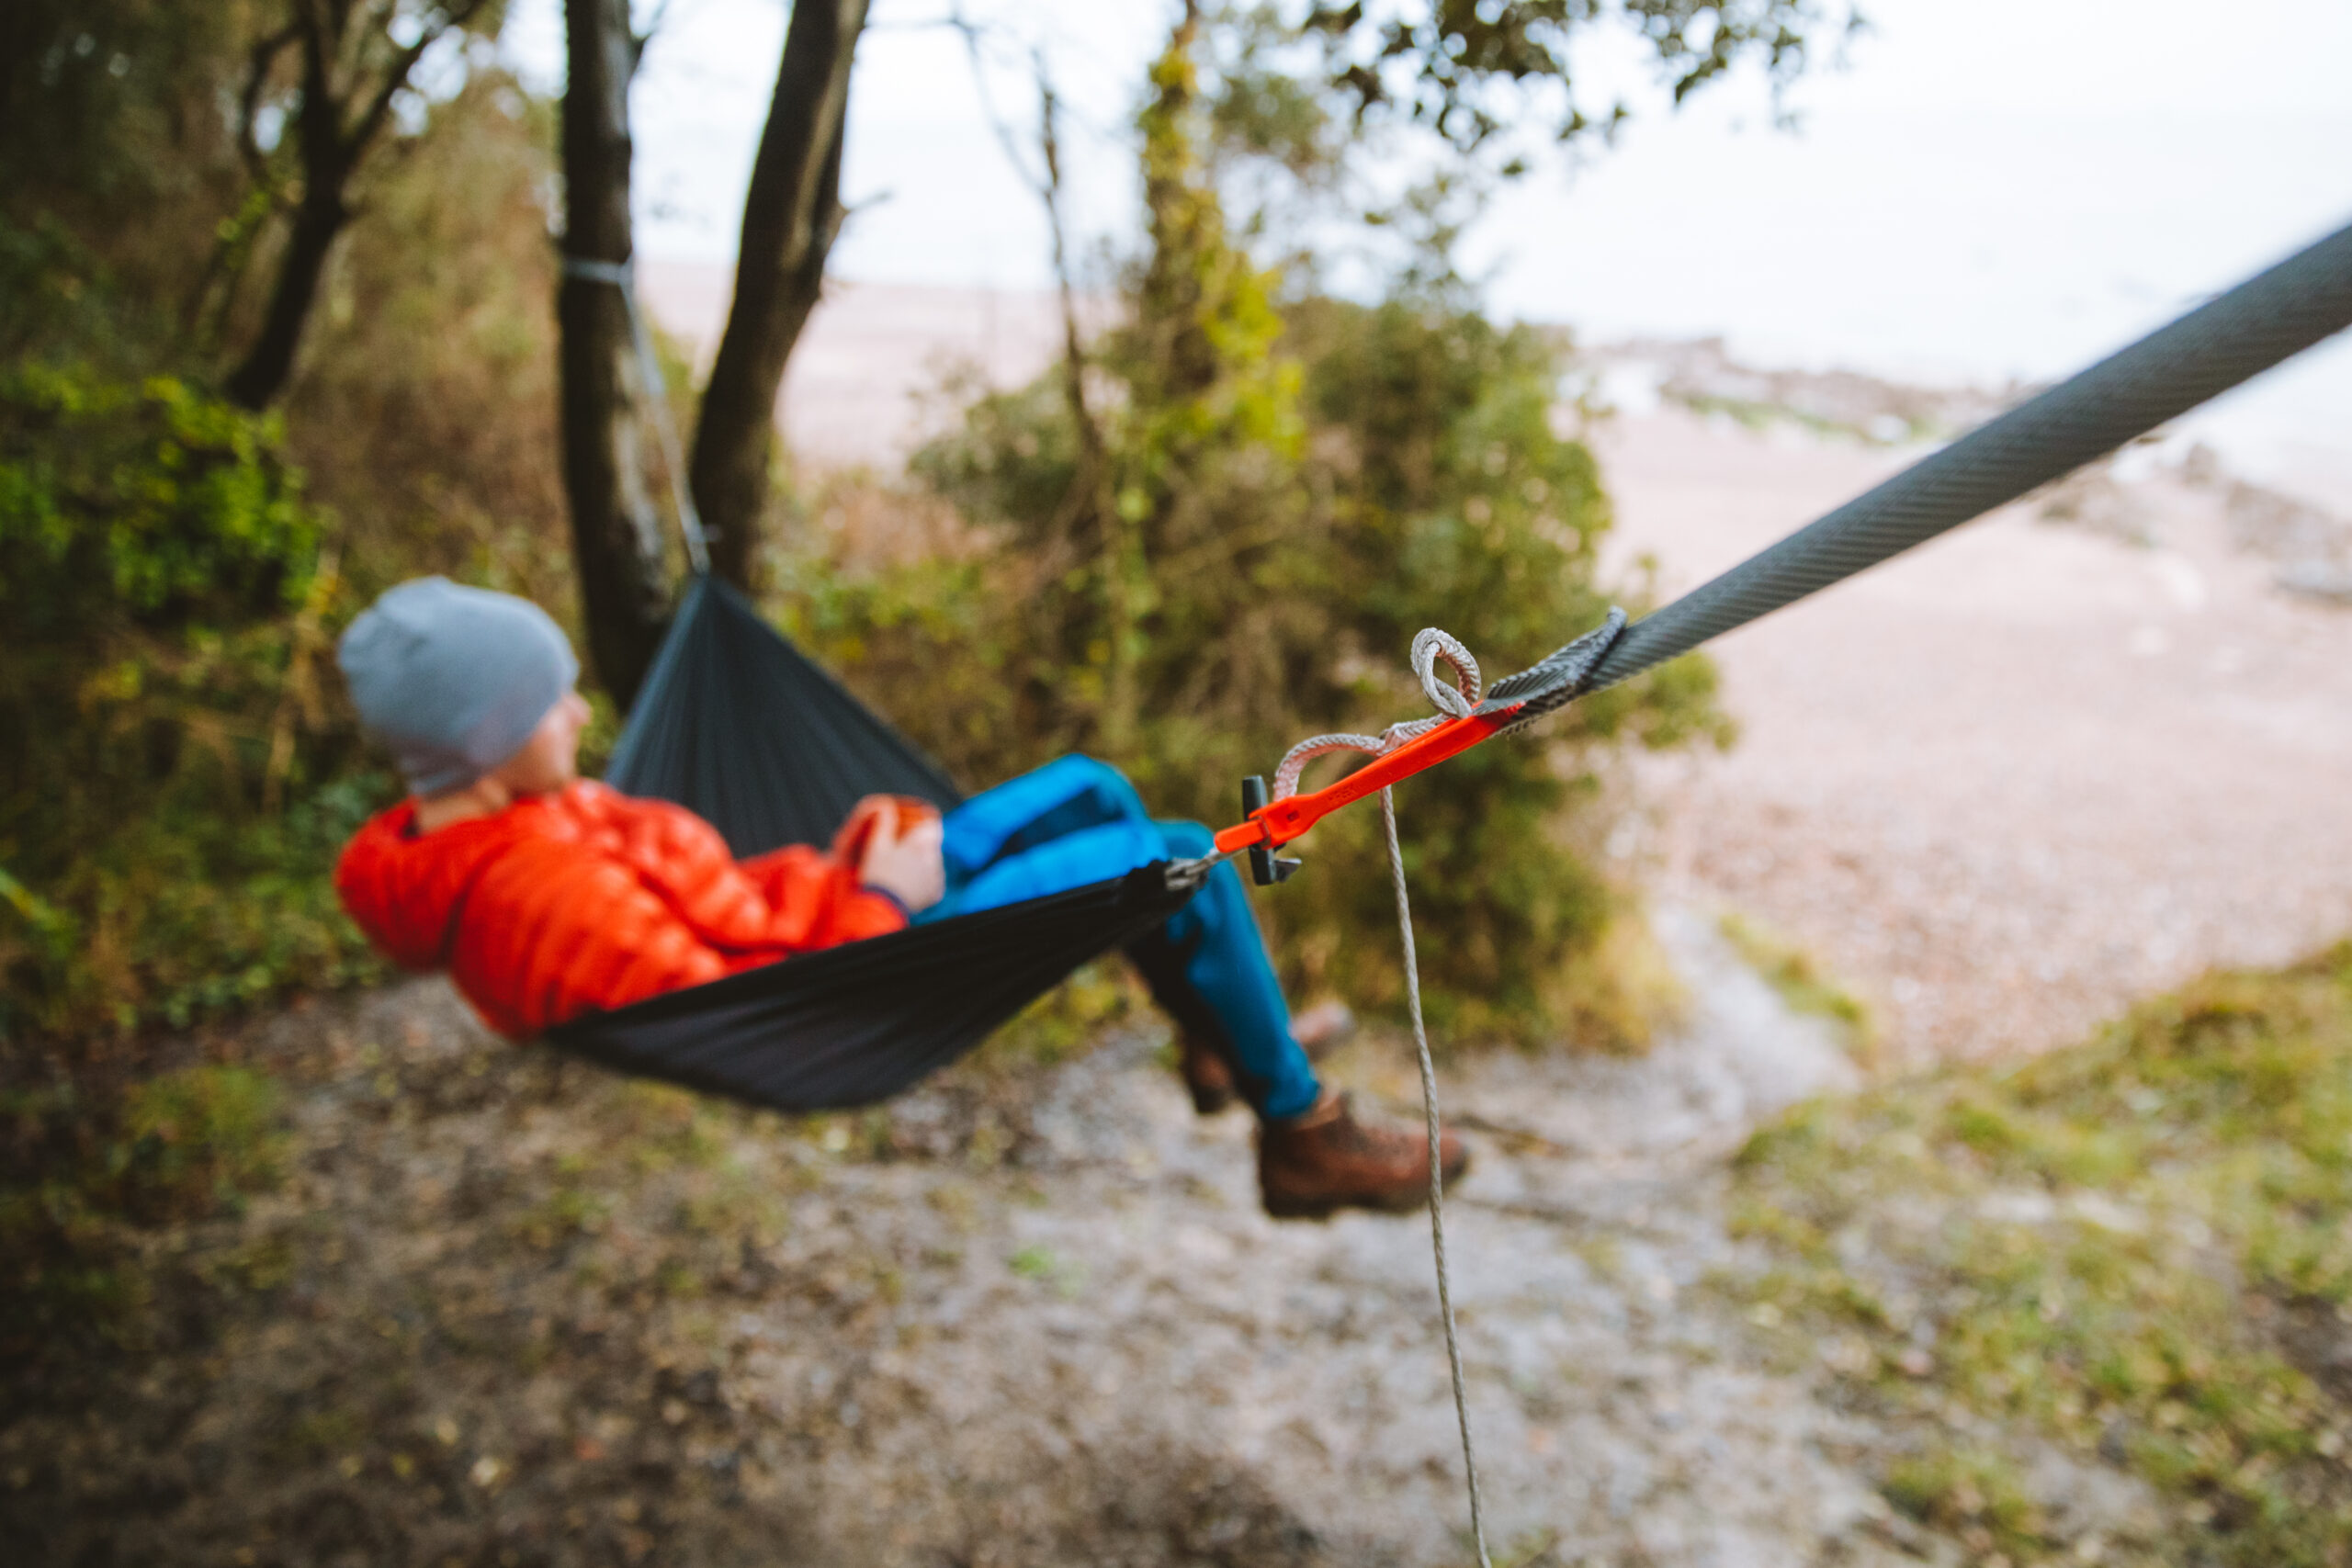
(1543, 688)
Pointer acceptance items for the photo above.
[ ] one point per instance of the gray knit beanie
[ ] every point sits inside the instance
(454, 680)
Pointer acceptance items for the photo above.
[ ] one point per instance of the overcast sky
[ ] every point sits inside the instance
(1990, 188)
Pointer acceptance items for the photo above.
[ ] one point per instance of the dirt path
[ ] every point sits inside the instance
(1027, 1317)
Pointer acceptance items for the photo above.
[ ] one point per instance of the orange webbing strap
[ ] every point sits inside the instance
(1408, 748)
(1277, 822)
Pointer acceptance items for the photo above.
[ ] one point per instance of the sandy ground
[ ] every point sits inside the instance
(2010, 783)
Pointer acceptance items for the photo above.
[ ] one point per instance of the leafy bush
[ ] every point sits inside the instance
(154, 506)
(160, 699)
(1280, 584)
(1220, 534)
(177, 768)
(82, 1181)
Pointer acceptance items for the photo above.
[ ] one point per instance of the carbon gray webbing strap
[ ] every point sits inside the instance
(2264, 320)
(622, 277)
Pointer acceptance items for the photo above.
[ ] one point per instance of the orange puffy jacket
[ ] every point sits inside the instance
(588, 898)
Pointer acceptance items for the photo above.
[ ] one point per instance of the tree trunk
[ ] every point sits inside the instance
(332, 141)
(269, 364)
(790, 217)
(318, 217)
(615, 532)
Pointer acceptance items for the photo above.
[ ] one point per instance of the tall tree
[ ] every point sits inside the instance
(1470, 72)
(616, 533)
(354, 59)
(790, 218)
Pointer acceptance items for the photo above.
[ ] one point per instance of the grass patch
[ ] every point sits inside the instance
(84, 1182)
(1970, 1493)
(1801, 984)
(2139, 1247)
(1065, 1276)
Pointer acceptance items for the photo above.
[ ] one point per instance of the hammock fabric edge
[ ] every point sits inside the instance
(805, 1034)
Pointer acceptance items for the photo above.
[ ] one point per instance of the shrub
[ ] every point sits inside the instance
(82, 1179)
(177, 768)
(1281, 585)
(1219, 535)
(159, 699)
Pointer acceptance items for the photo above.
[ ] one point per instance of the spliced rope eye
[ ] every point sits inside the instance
(1543, 688)
(1455, 701)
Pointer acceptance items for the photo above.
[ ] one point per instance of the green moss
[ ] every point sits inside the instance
(1967, 1491)
(1065, 1276)
(85, 1181)
(1800, 983)
(197, 1139)
(2121, 1247)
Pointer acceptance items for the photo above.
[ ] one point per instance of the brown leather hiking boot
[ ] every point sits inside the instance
(1206, 1077)
(1319, 1030)
(1327, 1160)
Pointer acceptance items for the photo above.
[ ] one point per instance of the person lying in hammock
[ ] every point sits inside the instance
(547, 895)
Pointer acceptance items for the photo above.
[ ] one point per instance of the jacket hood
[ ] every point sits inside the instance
(408, 890)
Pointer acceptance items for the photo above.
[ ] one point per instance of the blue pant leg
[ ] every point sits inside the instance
(1076, 859)
(1220, 966)
(1075, 821)
(1067, 794)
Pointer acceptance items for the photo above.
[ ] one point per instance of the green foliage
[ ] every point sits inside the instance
(83, 1181)
(2139, 1247)
(177, 769)
(153, 505)
(1229, 543)
(1473, 73)
(159, 571)
(1792, 973)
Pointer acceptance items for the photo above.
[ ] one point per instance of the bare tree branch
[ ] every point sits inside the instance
(335, 36)
(261, 62)
(792, 214)
(396, 76)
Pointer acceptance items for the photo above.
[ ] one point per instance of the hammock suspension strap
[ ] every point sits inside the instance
(1464, 718)
(622, 277)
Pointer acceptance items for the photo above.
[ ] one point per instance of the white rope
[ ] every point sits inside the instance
(1452, 700)
(1543, 689)
(1437, 1183)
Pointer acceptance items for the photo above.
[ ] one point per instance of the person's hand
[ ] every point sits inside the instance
(906, 866)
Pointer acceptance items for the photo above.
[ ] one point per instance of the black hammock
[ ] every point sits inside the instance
(736, 724)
